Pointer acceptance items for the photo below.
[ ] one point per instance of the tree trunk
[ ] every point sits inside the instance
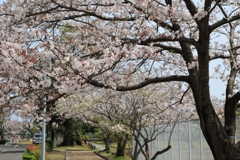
(136, 149)
(121, 146)
(54, 138)
(213, 130)
(107, 143)
(1, 134)
(147, 152)
(230, 123)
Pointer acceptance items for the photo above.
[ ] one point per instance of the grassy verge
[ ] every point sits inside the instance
(111, 156)
(25, 142)
(77, 148)
(55, 155)
(59, 153)
(113, 148)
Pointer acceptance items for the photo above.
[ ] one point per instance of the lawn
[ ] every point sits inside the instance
(25, 142)
(59, 153)
(110, 155)
(113, 148)
(55, 155)
(72, 148)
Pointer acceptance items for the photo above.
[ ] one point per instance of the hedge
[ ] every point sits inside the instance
(26, 156)
(3, 141)
(49, 145)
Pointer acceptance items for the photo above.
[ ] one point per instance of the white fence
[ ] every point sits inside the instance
(188, 142)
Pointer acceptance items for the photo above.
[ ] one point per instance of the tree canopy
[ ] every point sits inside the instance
(55, 47)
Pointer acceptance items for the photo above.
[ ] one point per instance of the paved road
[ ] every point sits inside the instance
(11, 148)
(11, 153)
(11, 156)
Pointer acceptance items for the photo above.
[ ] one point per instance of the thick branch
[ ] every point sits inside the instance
(142, 84)
(191, 7)
(234, 99)
(161, 39)
(108, 18)
(161, 152)
(223, 21)
(169, 48)
(219, 57)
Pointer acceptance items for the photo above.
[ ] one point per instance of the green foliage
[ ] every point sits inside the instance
(49, 145)
(71, 136)
(27, 156)
(120, 158)
(3, 141)
(72, 130)
(34, 150)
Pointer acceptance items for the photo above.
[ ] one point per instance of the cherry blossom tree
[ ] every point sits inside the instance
(138, 112)
(15, 128)
(131, 113)
(126, 45)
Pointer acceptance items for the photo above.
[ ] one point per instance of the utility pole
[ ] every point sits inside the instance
(43, 132)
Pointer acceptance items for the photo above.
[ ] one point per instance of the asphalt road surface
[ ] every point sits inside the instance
(11, 156)
(11, 153)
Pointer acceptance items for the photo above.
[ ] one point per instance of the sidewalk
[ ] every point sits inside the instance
(84, 155)
(99, 147)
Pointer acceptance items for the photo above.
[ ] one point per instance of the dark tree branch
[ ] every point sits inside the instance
(234, 99)
(142, 84)
(53, 100)
(223, 21)
(169, 39)
(191, 7)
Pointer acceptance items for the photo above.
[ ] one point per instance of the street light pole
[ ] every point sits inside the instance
(43, 134)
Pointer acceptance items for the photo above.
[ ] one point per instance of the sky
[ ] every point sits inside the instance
(217, 87)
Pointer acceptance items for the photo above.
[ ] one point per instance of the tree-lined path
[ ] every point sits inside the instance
(52, 48)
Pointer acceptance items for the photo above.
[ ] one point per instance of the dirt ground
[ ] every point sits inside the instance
(82, 155)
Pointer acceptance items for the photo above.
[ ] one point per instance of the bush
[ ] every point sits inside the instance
(3, 141)
(27, 156)
(49, 145)
(34, 150)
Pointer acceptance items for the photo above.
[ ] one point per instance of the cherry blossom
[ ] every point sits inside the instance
(52, 48)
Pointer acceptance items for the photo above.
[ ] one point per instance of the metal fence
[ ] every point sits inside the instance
(187, 141)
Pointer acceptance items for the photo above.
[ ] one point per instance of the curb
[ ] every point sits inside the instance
(12, 151)
(1, 151)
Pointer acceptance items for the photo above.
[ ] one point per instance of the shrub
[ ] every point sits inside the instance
(34, 150)
(49, 145)
(3, 141)
(27, 156)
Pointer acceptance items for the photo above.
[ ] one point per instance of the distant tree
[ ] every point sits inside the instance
(74, 131)
(126, 114)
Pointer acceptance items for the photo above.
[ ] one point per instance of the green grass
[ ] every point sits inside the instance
(55, 155)
(111, 156)
(26, 142)
(59, 152)
(113, 148)
(78, 148)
